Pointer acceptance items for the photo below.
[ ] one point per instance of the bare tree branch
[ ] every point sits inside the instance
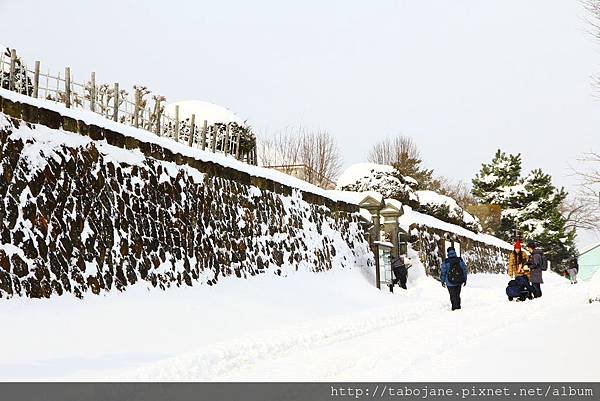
(394, 150)
(298, 146)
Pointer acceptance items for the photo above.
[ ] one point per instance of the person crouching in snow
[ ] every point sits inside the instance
(517, 263)
(453, 275)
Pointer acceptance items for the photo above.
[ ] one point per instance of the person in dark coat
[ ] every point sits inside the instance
(400, 269)
(536, 265)
(453, 287)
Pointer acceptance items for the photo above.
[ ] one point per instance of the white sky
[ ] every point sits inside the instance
(462, 77)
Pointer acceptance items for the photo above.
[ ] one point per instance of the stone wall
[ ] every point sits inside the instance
(102, 211)
(480, 257)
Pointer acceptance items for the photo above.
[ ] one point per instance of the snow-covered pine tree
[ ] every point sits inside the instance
(539, 217)
(504, 171)
(530, 206)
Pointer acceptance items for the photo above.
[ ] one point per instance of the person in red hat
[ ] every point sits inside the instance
(517, 262)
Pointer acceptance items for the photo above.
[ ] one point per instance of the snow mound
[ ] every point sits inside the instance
(210, 112)
(594, 287)
(361, 170)
(431, 198)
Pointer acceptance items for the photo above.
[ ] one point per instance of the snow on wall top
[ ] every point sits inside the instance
(90, 117)
(210, 112)
(411, 217)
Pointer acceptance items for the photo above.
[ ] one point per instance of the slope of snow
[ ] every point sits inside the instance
(594, 287)
(210, 112)
(267, 328)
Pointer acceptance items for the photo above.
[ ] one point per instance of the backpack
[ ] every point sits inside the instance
(455, 272)
(540, 261)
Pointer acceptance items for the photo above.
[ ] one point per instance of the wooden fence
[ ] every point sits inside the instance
(139, 109)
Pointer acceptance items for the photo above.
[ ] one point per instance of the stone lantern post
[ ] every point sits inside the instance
(391, 212)
(373, 202)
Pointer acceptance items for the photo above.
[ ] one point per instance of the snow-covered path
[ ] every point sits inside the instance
(330, 326)
(557, 336)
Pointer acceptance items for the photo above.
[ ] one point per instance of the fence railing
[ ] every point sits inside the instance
(139, 109)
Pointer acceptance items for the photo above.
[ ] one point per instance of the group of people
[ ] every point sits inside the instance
(524, 267)
(525, 270)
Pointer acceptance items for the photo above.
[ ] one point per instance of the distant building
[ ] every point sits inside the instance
(305, 173)
(589, 262)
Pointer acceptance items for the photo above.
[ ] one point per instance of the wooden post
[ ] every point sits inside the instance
(13, 65)
(36, 79)
(24, 74)
(237, 144)
(213, 145)
(93, 92)
(68, 87)
(158, 117)
(203, 138)
(177, 123)
(116, 102)
(136, 108)
(47, 83)
(226, 142)
(192, 131)
(375, 249)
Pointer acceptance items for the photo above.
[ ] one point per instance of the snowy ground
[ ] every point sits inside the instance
(330, 326)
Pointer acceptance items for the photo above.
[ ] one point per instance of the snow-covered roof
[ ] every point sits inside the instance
(210, 112)
(589, 248)
(360, 170)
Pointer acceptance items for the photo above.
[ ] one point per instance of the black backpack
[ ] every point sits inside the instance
(456, 275)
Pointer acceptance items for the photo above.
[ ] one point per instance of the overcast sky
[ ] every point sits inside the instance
(462, 78)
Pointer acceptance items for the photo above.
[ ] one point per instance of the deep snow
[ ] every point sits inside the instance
(326, 326)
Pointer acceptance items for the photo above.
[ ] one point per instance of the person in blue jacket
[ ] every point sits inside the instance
(453, 275)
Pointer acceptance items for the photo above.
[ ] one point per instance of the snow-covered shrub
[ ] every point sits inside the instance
(445, 208)
(388, 181)
(380, 178)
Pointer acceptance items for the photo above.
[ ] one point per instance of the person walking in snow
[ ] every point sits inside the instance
(537, 263)
(573, 269)
(400, 269)
(453, 275)
(517, 262)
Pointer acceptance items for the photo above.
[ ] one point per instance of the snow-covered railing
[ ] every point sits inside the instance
(135, 109)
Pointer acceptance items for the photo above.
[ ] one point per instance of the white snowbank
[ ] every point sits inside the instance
(594, 287)
(267, 329)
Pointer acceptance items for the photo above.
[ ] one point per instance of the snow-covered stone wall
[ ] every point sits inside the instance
(87, 209)
(480, 256)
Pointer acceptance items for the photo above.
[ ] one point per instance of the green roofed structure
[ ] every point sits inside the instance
(589, 262)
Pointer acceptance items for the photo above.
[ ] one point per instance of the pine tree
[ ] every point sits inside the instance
(503, 172)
